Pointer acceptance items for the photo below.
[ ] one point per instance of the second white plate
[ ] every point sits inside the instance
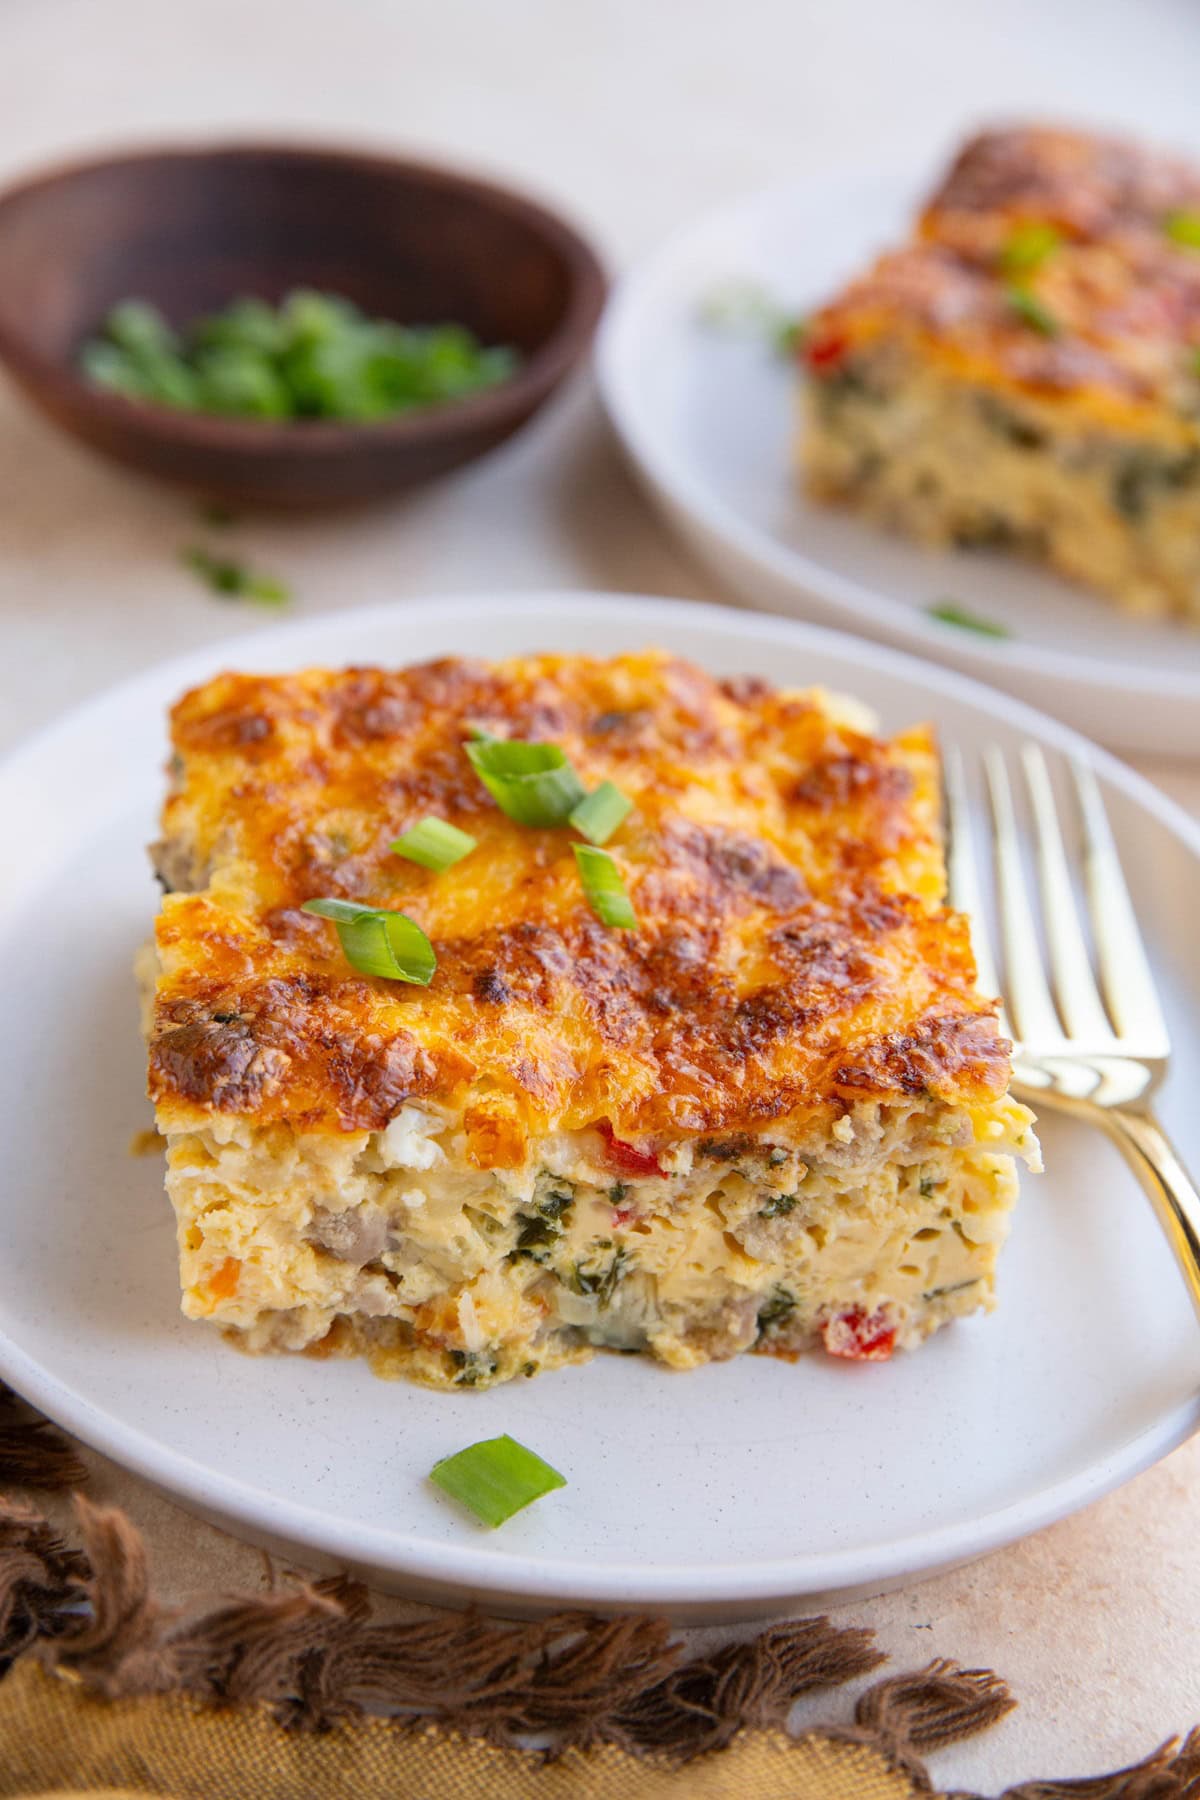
(709, 418)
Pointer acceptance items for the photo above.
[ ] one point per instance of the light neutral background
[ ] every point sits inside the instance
(634, 115)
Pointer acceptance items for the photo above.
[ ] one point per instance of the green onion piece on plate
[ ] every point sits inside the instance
(1028, 246)
(435, 844)
(495, 1478)
(1030, 310)
(604, 887)
(533, 783)
(1183, 228)
(949, 612)
(378, 942)
(597, 817)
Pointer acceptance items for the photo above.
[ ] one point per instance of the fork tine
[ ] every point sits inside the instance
(1028, 995)
(1124, 968)
(1074, 986)
(962, 876)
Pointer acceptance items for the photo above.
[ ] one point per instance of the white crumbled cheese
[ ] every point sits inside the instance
(468, 1323)
(408, 1142)
(565, 1155)
(843, 1131)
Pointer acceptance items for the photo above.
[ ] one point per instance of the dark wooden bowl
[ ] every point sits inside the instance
(191, 229)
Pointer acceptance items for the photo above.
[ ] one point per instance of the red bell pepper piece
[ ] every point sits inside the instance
(860, 1336)
(627, 1159)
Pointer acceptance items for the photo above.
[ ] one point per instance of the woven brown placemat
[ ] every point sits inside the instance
(300, 1691)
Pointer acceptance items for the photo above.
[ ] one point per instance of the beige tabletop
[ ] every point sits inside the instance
(634, 115)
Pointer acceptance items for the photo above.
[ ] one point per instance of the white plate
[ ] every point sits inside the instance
(733, 1489)
(708, 419)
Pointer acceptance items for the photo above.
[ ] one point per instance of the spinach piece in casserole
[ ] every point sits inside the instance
(1022, 433)
(474, 1367)
(955, 1287)
(1142, 475)
(781, 1303)
(778, 1206)
(599, 1276)
(540, 1231)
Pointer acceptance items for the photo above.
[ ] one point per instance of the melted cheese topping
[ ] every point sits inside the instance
(792, 957)
(1123, 296)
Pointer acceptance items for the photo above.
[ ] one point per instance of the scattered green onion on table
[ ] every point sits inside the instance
(233, 580)
(314, 356)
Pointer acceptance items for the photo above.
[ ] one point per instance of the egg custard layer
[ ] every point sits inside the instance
(1024, 372)
(773, 1116)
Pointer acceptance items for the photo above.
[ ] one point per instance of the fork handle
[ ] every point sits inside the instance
(1149, 1152)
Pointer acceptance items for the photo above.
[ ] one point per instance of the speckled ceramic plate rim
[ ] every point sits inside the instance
(468, 1568)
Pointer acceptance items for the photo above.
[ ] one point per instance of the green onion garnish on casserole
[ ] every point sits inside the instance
(379, 942)
(602, 813)
(533, 783)
(727, 1085)
(434, 844)
(605, 889)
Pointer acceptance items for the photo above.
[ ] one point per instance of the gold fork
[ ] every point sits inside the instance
(1099, 1051)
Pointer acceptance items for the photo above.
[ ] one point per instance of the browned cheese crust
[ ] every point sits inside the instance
(792, 955)
(1123, 294)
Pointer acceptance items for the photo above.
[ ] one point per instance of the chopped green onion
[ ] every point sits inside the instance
(378, 942)
(1029, 308)
(233, 580)
(604, 887)
(746, 309)
(435, 844)
(140, 328)
(951, 613)
(598, 816)
(1183, 228)
(1028, 246)
(313, 356)
(495, 1478)
(533, 783)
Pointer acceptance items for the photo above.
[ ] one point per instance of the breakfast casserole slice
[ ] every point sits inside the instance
(769, 1113)
(1025, 371)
